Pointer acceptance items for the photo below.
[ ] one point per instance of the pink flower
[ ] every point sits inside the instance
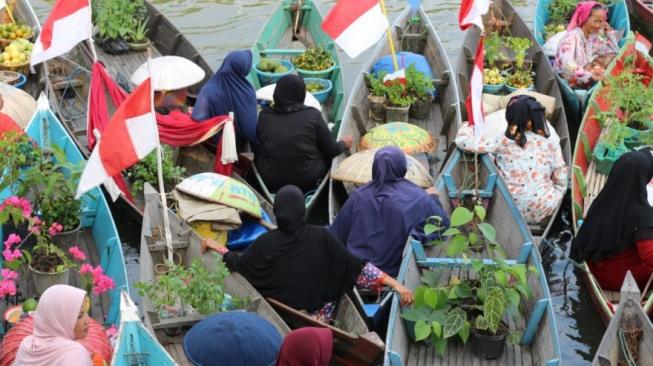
(11, 240)
(11, 254)
(77, 253)
(8, 274)
(85, 268)
(37, 220)
(97, 271)
(18, 202)
(7, 287)
(102, 284)
(54, 229)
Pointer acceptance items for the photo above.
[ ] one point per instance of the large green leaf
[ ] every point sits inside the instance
(501, 277)
(418, 296)
(432, 278)
(416, 314)
(480, 212)
(431, 297)
(481, 323)
(454, 322)
(437, 328)
(463, 290)
(431, 228)
(464, 332)
(488, 231)
(519, 271)
(494, 308)
(457, 245)
(440, 344)
(473, 238)
(451, 231)
(422, 330)
(461, 216)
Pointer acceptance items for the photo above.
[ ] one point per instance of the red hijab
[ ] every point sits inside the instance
(306, 347)
(582, 13)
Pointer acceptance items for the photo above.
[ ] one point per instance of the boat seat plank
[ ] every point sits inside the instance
(434, 125)
(176, 351)
(595, 182)
(124, 64)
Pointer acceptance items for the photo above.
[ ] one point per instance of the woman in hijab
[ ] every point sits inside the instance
(529, 159)
(60, 319)
(307, 346)
(302, 265)
(295, 145)
(230, 91)
(588, 46)
(617, 233)
(377, 219)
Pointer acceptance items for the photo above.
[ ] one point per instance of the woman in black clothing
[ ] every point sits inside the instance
(295, 144)
(301, 265)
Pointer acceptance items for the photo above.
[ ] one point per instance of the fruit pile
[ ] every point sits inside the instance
(273, 66)
(17, 53)
(314, 87)
(492, 76)
(15, 31)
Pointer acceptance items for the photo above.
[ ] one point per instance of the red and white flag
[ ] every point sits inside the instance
(68, 24)
(131, 134)
(474, 102)
(642, 44)
(355, 25)
(471, 12)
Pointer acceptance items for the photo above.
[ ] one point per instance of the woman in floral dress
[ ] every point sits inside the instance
(588, 46)
(529, 161)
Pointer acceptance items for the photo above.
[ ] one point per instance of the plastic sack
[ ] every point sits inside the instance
(245, 235)
(404, 59)
(550, 47)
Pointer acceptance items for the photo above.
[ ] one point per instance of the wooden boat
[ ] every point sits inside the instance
(641, 15)
(99, 237)
(629, 325)
(587, 182)
(188, 245)
(539, 344)
(443, 122)
(545, 83)
(576, 99)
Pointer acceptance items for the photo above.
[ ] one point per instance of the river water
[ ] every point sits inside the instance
(216, 27)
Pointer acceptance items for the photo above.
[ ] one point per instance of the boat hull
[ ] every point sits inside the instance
(642, 17)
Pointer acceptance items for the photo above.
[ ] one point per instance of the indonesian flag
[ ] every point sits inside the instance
(131, 135)
(68, 24)
(471, 12)
(642, 44)
(355, 25)
(474, 102)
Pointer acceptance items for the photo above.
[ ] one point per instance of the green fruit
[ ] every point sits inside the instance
(274, 64)
(29, 305)
(280, 69)
(264, 64)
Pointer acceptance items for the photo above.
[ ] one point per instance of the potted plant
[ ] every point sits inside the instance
(377, 96)
(146, 171)
(519, 79)
(611, 144)
(413, 39)
(115, 20)
(138, 40)
(398, 102)
(420, 88)
(519, 46)
(315, 62)
(493, 81)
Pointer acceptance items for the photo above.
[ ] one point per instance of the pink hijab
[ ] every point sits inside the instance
(53, 341)
(582, 13)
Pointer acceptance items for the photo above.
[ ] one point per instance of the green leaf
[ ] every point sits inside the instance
(437, 328)
(452, 295)
(481, 323)
(422, 330)
(451, 231)
(431, 297)
(501, 277)
(461, 216)
(494, 308)
(431, 278)
(464, 332)
(440, 344)
(454, 322)
(419, 296)
(473, 238)
(519, 271)
(488, 231)
(514, 337)
(464, 290)
(416, 314)
(431, 228)
(457, 245)
(477, 265)
(480, 212)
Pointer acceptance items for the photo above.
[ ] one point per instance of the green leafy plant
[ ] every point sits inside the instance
(493, 48)
(376, 86)
(519, 46)
(139, 32)
(520, 78)
(417, 84)
(314, 59)
(17, 152)
(560, 11)
(117, 19)
(397, 93)
(632, 100)
(552, 29)
(146, 171)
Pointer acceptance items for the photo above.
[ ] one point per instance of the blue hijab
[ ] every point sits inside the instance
(230, 91)
(377, 219)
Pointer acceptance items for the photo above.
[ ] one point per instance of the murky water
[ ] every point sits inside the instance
(216, 27)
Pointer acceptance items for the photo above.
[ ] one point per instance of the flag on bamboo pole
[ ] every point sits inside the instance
(474, 101)
(68, 24)
(471, 13)
(356, 25)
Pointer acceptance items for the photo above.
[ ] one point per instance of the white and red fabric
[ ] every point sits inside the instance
(68, 24)
(471, 13)
(131, 135)
(642, 44)
(355, 25)
(474, 102)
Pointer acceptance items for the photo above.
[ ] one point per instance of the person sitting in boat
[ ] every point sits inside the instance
(60, 319)
(302, 265)
(230, 91)
(588, 46)
(377, 219)
(295, 144)
(617, 233)
(528, 157)
(308, 346)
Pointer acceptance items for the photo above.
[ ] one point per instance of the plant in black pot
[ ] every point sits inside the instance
(146, 171)
(398, 101)
(420, 87)
(377, 96)
(115, 20)
(138, 40)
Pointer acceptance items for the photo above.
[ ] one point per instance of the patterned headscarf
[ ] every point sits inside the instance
(583, 12)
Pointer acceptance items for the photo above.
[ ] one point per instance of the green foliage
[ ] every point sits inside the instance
(397, 94)
(139, 32)
(16, 152)
(377, 88)
(519, 46)
(146, 171)
(117, 18)
(520, 78)
(560, 11)
(631, 99)
(493, 44)
(314, 59)
(467, 231)
(417, 84)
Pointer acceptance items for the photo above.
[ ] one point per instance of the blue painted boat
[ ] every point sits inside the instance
(539, 343)
(99, 237)
(576, 99)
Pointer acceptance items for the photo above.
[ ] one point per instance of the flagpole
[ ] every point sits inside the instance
(90, 37)
(389, 35)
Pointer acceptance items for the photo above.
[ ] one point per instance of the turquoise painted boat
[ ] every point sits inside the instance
(576, 99)
(98, 237)
(539, 343)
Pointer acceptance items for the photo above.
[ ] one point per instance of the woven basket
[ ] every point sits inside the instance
(23, 68)
(5, 42)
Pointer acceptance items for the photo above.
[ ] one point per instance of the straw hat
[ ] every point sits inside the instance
(170, 73)
(18, 104)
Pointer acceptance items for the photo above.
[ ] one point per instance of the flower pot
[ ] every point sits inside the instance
(397, 114)
(377, 108)
(512, 88)
(323, 94)
(139, 46)
(488, 346)
(420, 108)
(68, 238)
(43, 280)
(633, 139)
(266, 77)
(493, 88)
(322, 74)
(604, 157)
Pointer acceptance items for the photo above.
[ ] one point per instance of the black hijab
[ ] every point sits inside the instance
(301, 265)
(289, 94)
(521, 110)
(621, 214)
